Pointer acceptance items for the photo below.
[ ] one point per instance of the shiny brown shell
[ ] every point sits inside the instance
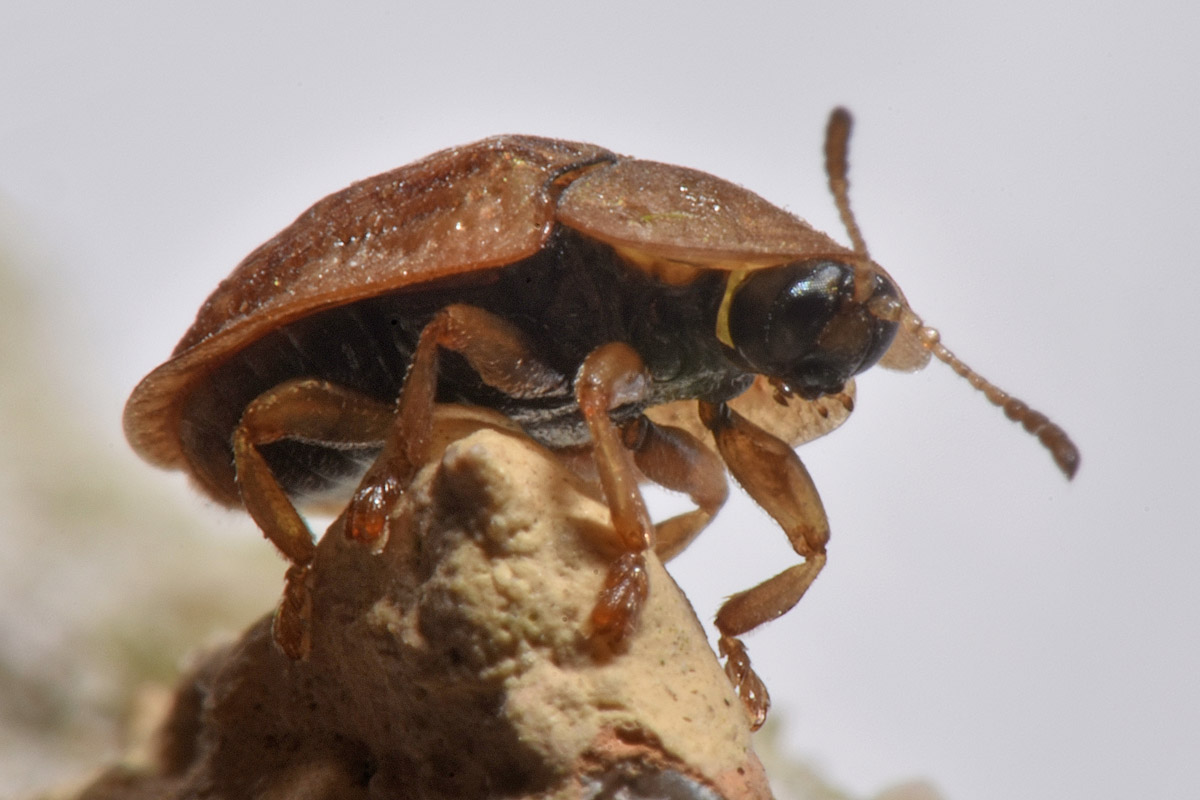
(478, 207)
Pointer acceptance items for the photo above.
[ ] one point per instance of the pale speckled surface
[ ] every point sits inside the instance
(456, 663)
(668, 676)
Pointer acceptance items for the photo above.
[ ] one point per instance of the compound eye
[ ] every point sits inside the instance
(800, 323)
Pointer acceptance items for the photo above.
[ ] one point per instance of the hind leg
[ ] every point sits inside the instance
(505, 360)
(313, 411)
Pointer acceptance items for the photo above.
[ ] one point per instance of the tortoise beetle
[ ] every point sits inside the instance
(669, 323)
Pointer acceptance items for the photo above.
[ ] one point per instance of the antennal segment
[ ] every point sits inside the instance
(837, 166)
(1053, 438)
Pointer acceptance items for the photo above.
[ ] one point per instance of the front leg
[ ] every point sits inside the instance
(774, 476)
(675, 459)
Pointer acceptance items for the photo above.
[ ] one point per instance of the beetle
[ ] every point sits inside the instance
(669, 323)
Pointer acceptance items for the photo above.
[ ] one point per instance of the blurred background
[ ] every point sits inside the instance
(1027, 171)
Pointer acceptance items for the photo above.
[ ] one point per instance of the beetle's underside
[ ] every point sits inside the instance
(570, 298)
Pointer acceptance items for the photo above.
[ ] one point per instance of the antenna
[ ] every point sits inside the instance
(1053, 438)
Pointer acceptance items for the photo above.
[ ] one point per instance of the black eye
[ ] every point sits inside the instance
(800, 323)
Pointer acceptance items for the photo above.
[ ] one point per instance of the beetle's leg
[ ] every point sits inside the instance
(774, 476)
(673, 458)
(611, 376)
(312, 411)
(495, 348)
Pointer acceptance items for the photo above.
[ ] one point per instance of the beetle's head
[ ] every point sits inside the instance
(810, 324)
(813, 324)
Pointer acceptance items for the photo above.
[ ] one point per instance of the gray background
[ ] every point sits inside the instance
(1027, 171)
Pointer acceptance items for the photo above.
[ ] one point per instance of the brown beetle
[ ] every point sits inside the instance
(600, 302)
